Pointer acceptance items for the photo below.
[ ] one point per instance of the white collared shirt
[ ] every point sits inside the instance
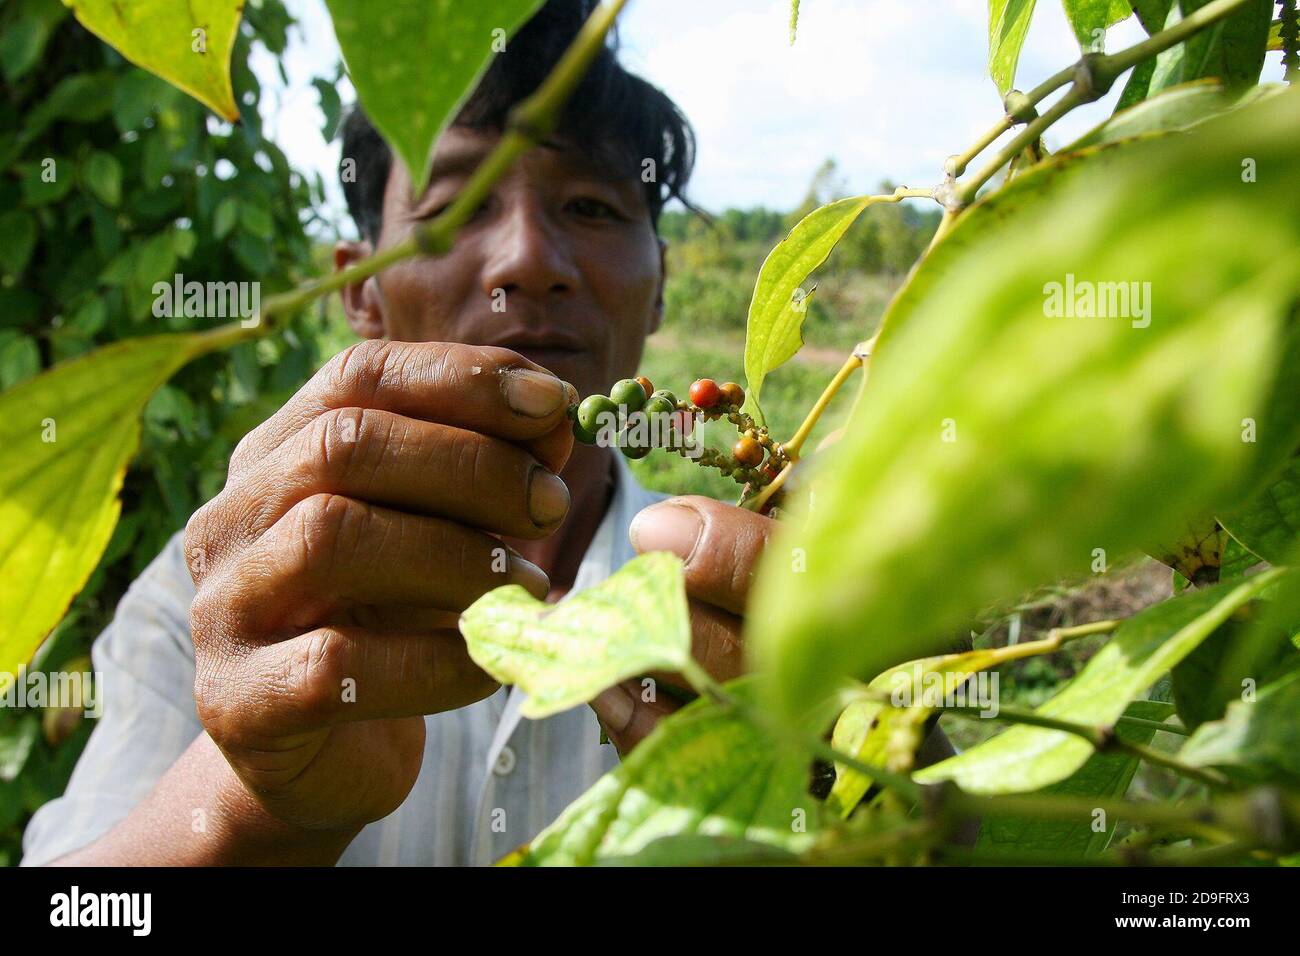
(490, 780)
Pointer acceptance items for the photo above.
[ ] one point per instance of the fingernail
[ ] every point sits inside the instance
(530, 576)
(667, 527)
(548, 497)
(614, 707)
(535, 394)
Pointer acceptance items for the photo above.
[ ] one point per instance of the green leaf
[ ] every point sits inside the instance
(703, 771)
(1102, 775)
(1087, 17)
(18, 734)
(1137, 86)
(330, 106)
(1256, 740)
(41, 187)
(1214, 675)
(225, 217)
(1152, 14)
(1237, 560)
(135, 97)
(20, 359)
(17, 240)
(794, 20)
(255, 218)
(414, 65)
(187, 44)
(565, 654)
(1232, 49)
(1147, 645)
(697, 850)
(1177, 108)
(69, 434)
(1269, 524)
(24, 39)
(1239, 56)
(102, 174)
(1008, 24)
(988, 417)
(774, 330)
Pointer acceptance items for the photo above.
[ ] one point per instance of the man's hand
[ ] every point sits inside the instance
(354, 527)
(720, 545)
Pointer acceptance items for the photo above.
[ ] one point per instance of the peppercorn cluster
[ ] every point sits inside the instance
(634, 403)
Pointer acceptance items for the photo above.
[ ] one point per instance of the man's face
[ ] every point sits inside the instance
(565, 251)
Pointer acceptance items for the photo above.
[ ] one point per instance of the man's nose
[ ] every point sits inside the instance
(528, 254)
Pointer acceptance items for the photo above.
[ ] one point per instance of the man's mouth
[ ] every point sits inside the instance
(545, 350)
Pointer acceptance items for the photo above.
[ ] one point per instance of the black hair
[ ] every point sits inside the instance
(618, 117)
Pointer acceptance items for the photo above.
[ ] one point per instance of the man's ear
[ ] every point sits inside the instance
(361, 300)
(657, 319)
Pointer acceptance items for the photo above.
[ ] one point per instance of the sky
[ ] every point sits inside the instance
(887, 88)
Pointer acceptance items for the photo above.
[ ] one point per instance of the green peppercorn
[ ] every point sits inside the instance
(659, 405)
(591, 410)
(635, 454)
(629, 394)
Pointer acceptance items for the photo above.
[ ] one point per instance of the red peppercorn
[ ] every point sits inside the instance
(645, 384)
(748, 452)
(732, 394)
(705, 393)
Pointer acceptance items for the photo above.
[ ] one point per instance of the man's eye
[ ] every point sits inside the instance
(593, 208)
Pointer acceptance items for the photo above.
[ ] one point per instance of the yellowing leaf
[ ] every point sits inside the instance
(873, 731)
(67, 436)
(187, 44)
(565, 654)
(1145, 647)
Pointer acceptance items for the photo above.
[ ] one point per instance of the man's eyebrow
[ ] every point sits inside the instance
(463, 160)
(454, 162)
(591, 163)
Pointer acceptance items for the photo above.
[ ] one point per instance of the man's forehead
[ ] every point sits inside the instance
(460, 150)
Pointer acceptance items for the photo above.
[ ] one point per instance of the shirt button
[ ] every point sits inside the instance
(505, 762)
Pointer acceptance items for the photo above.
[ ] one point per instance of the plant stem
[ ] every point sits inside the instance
(795, 444)
(528, 124)
(857, 360)
(1093, 76)
(1050, 85)
(964, 193)
(1178, 729)
(1104, 739)
(956, 165)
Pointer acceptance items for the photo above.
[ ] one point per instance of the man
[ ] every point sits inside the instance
(307, 697)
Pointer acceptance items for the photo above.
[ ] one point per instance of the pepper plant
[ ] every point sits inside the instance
(1098, 355)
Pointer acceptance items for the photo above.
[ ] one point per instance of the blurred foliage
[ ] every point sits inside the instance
(110, 181)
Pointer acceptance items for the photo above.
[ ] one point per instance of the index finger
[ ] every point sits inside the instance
(484, 389)
(720, 545)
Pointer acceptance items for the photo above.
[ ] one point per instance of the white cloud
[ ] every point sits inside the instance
(889, 88)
